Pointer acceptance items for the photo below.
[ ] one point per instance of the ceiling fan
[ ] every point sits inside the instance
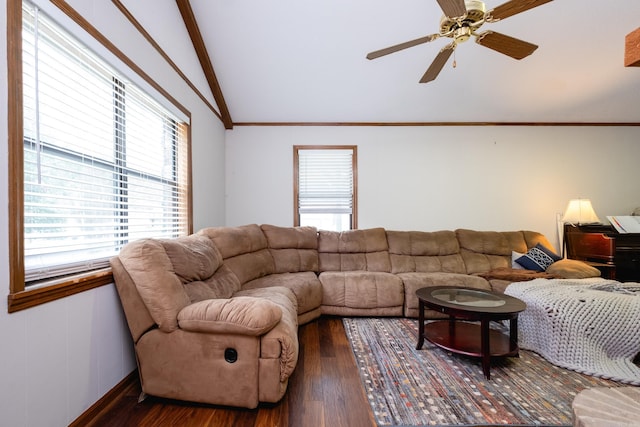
(461, 20)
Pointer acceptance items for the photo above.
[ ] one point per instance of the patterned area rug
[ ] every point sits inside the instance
(432, 386)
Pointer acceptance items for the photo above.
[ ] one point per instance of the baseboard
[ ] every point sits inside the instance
(105, 402)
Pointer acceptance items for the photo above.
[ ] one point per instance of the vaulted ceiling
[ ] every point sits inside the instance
(304, 61)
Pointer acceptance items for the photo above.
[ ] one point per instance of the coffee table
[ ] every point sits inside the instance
(460, 336)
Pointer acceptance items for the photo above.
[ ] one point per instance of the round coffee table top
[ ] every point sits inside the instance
(469, 300)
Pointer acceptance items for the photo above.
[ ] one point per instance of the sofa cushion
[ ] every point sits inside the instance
(279, 295)
(491, 242)
(487, 250)
(199, 265)
(361, 289)
(293, 249)
(244, 250)
(305, 285)
(192, 257)
(353, 241)
(365, 250)
(434, 243)
(413, 281)
(251, 265)
(223, 284)
(239, 315)
(294, 260)
(424, 251)
(533, 238)
(290, 237)
(538, 258)
(232, 241)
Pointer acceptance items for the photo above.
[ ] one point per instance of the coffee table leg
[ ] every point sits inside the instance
(420, 325)
(485, 348)
(513, 335)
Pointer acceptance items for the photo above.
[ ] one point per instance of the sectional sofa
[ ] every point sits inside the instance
(214, 315)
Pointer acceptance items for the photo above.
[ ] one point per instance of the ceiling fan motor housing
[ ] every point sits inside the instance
(460, 27)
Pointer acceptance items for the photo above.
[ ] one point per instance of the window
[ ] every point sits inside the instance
(325, 187)
(103, 163)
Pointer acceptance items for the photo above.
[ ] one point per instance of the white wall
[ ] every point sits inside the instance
(433, 178)
(59, 358)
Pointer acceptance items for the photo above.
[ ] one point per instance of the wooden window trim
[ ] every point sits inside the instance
(296, 170)
(20, 298)
(52, 290)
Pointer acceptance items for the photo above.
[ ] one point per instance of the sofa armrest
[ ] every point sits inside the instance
(239, 315)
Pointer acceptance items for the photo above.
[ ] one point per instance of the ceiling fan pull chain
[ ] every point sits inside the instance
(454, 59)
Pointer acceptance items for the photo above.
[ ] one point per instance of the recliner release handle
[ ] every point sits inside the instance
(231, 355)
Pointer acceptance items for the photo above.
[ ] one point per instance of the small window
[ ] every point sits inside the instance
(325, 187)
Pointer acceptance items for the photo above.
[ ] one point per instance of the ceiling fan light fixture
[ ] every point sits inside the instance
(462, 34)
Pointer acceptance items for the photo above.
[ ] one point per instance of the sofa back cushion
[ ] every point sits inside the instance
(483, 251)
(532, 238)
(243, 249)
(161, 268)
(199, 265)
(293, 249)
(222, 284)
(421, 251)
(354, 250)
(193, 258)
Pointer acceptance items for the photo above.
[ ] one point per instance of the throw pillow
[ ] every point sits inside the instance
(573, 269)
(514, 256)
(538, 258)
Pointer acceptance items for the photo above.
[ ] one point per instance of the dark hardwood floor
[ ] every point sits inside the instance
(324, 391)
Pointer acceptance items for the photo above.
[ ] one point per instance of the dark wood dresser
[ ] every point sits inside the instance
(615, 254)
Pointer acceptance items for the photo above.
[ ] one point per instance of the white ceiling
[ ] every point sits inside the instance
(304, 61)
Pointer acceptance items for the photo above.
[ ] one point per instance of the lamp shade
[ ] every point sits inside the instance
(580, 211)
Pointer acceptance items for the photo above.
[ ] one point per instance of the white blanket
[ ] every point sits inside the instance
(575, 324)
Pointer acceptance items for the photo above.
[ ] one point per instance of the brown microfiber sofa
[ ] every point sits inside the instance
(214, 315)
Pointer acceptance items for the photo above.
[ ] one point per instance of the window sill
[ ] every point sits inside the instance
(55, 289)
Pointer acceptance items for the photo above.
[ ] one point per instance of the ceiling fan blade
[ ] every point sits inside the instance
(436, 66)
(507, 45)
(453, 8)
(405, 45)
(513, 7)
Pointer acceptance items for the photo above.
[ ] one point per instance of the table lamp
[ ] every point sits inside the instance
(580, 211)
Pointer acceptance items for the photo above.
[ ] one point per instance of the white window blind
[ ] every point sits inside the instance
(104, 163)
(325, 181)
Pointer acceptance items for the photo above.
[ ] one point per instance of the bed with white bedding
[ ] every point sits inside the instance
(586, 325)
